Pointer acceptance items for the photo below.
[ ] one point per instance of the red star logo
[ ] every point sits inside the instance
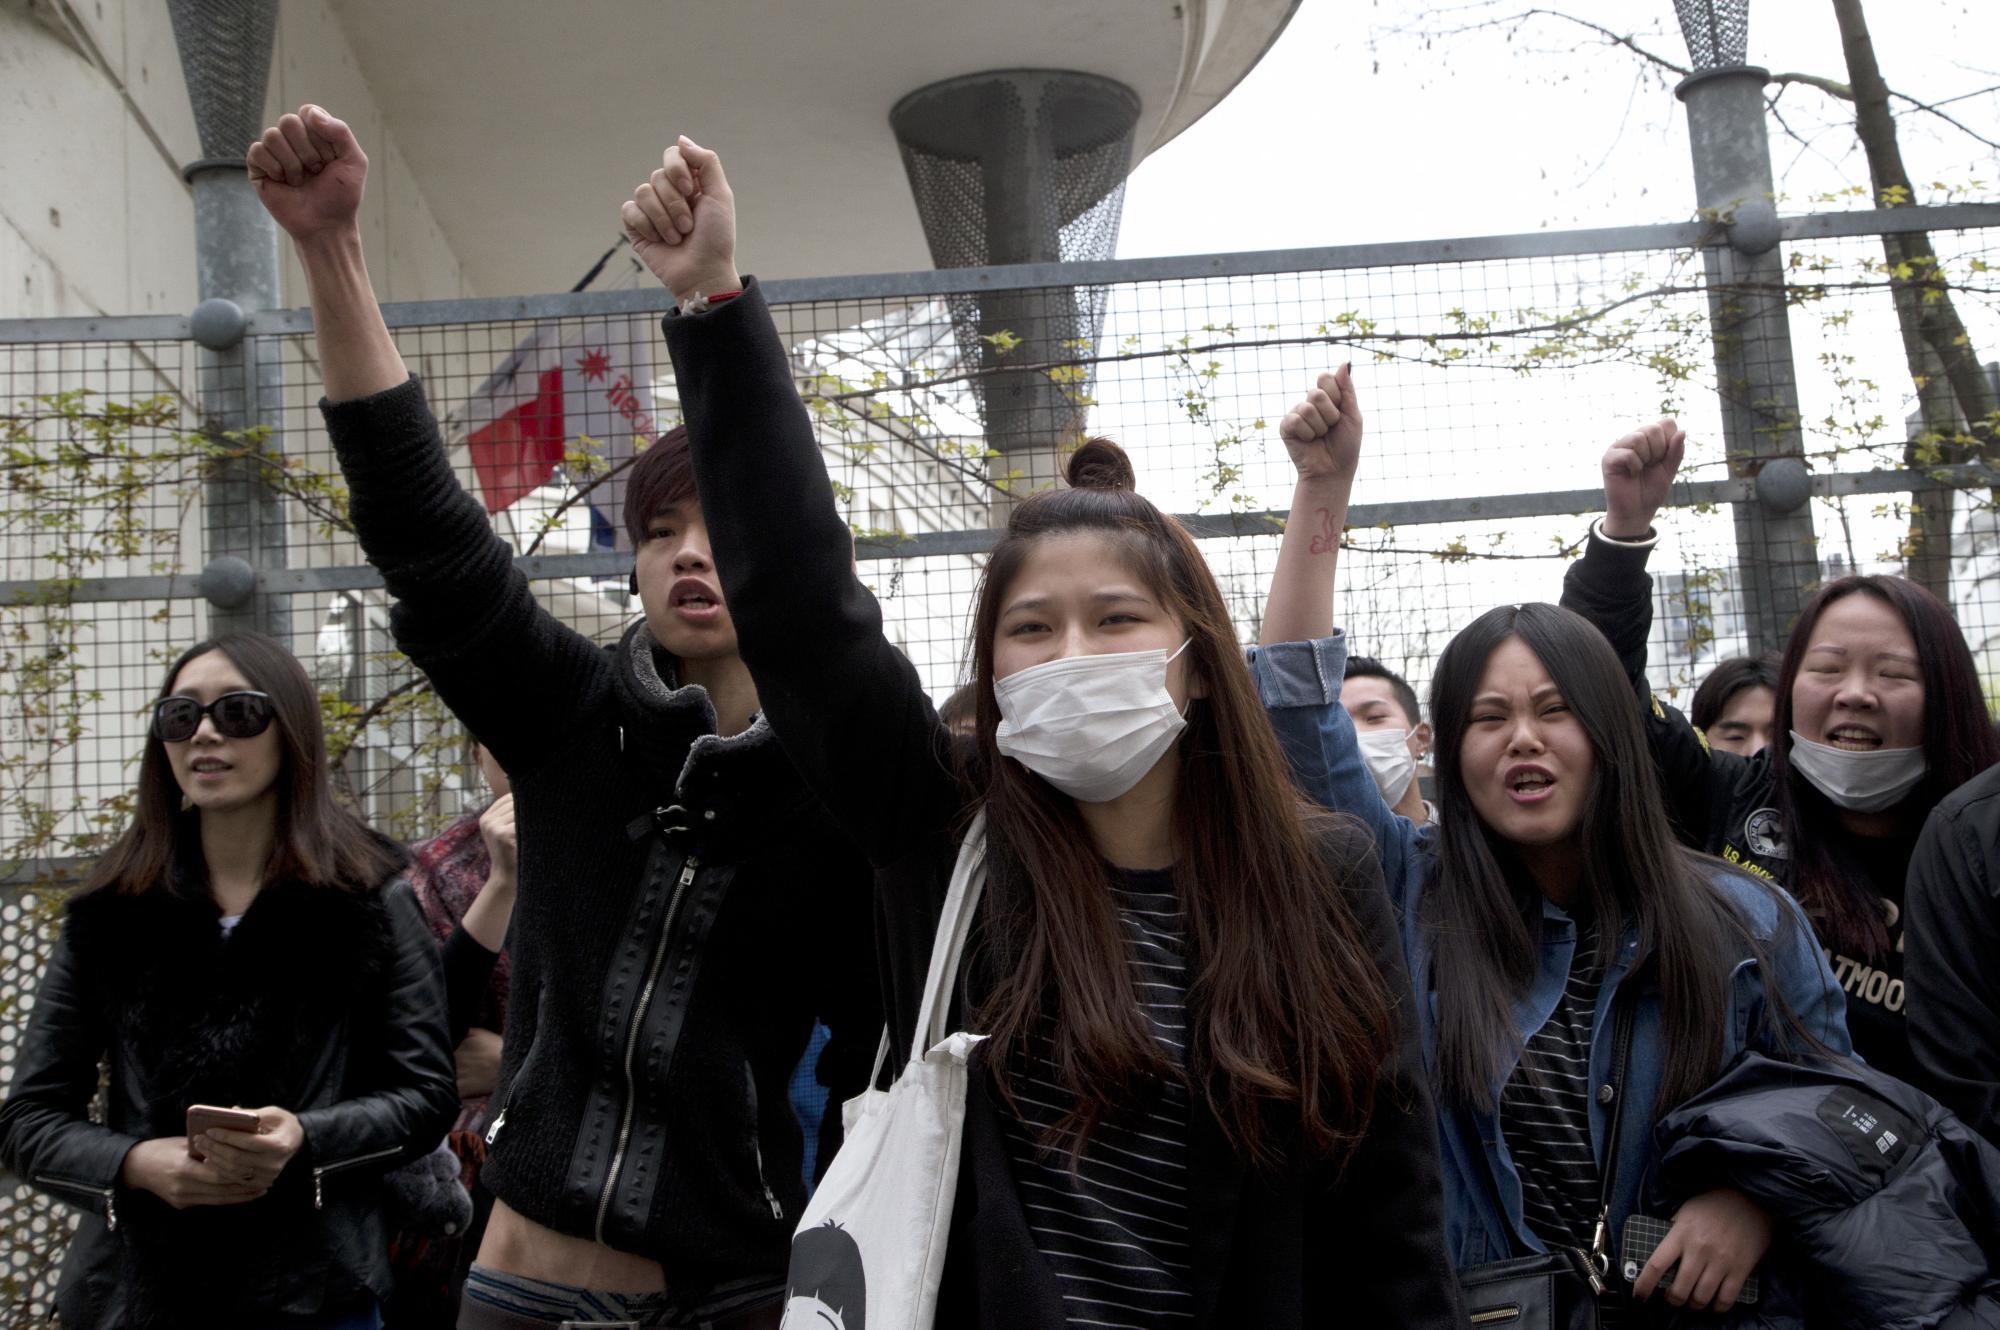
(595, 364)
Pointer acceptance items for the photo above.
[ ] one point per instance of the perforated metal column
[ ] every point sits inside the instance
(1022, 166)
(1717, 31)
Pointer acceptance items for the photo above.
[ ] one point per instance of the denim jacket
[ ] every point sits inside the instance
(1299, 683)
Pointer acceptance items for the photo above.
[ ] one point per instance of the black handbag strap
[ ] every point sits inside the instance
(1624, 1015)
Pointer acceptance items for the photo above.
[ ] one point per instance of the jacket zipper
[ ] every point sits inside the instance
(513, 1088)
(342, 1165)
(770, 1199)
(688, 868)
(106, 1194)
(757, 1140)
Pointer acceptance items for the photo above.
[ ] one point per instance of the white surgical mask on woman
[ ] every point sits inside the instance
(1092, 726)
(1861, 782)
(1387, 753)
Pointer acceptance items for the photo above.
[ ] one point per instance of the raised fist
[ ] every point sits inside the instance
(309, 172)
(1323, 432)
(496, 828)
(1638, 470)
(682, 222)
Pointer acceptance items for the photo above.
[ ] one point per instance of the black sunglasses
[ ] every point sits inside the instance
(243, 715)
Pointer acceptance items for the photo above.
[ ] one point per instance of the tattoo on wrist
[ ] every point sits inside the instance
(1325, 540)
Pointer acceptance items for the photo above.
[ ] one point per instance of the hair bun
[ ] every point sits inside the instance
(1100, 464)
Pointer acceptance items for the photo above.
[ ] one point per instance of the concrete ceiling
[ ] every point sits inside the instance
(528, 123)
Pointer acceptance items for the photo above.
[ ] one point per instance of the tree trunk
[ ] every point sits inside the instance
(1958, 417)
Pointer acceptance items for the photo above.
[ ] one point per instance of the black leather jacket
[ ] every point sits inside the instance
(323, 1001)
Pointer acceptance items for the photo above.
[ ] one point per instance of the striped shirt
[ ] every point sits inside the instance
(1115, 1230)
(1545, 1116)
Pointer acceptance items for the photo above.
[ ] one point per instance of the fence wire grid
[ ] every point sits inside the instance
(1489, 387)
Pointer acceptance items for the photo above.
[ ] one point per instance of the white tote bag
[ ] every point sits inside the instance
(869, 1250)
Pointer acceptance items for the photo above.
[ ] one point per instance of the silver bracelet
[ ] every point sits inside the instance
(1650, 539)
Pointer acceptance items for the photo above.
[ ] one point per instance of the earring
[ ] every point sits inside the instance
(187, 804)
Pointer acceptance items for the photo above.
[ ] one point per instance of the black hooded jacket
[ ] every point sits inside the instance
(686, 910)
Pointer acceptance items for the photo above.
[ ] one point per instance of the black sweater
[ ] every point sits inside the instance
(1294, 1247)
(665, 981)
(1954, 953)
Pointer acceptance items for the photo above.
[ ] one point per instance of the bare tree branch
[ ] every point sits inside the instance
(1955, 123)
(1831, 87)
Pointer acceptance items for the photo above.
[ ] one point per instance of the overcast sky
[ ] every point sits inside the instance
(1372, 122)
(1354, 129)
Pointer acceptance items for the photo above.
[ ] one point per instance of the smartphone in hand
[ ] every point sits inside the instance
(202, 1118)
(1643, 1236)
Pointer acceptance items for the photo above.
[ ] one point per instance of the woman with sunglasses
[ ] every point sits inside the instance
(245, 943)
(1199, 1100)
(1879, 715)
(1579, 974)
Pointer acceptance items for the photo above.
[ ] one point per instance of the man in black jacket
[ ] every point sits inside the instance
(685, 910)
(1952, 936)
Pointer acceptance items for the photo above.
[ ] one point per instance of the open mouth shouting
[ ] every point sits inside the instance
(1853, 737)
(1529, 784)
(695, 601)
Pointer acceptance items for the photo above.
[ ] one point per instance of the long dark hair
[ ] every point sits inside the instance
(1958, 745)
(1288, 1013)
(1483, 911)
(318, 842)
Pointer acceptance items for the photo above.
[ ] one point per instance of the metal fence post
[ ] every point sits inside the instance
(1777, 553)
(225, 50)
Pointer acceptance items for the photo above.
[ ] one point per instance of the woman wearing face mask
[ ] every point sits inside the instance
(246, 942)
(1545, 910)
(1196, 1104)
(1879, 716)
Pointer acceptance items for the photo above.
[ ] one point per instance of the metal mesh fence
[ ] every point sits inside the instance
(1490, 383)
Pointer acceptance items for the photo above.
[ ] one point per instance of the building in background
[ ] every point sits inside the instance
(501, 141)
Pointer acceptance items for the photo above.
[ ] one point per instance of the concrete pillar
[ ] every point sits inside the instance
(1777, 553)
(225, 50)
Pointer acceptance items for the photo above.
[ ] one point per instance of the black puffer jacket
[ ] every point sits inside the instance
(1887, 1207)
(323, 1001)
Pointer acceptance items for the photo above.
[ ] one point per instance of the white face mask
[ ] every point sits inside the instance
(1387, 754)
(1859, 782)
(1092, 726)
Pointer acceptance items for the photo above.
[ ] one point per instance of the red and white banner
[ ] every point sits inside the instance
(563, 382)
